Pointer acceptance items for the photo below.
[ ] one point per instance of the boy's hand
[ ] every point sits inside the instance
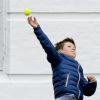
(32, 22)
(91, 78)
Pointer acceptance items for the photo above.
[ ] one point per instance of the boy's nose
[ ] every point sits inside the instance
(73, 49)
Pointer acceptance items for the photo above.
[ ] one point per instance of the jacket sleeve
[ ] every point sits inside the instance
(88, 88)
(52, 55)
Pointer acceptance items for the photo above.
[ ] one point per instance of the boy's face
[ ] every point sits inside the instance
(69, 49)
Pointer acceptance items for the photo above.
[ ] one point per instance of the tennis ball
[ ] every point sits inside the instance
(27, 11)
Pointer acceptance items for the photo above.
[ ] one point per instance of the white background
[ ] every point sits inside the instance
(25, 72)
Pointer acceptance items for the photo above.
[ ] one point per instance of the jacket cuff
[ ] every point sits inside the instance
(93, 84)
(36, 28)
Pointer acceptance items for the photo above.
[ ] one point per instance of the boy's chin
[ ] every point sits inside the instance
(73, 56)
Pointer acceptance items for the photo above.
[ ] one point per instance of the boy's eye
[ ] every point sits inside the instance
(69, 46)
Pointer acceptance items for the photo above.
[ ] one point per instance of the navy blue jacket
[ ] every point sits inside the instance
(67, 72)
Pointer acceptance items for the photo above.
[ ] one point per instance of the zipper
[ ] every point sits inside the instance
(78, 81)
(67, 79)
(79, 94)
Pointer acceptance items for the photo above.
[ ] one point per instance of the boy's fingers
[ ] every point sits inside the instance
(91, 78)
(29, 19)
(34, 19)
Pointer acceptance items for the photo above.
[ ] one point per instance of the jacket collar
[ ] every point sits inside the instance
(68, 57)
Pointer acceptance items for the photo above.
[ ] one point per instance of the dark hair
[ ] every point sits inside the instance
(60, 44)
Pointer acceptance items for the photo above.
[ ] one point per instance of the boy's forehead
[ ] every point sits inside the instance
(69, 43)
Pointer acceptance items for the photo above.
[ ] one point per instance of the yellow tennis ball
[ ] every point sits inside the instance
(27, 11)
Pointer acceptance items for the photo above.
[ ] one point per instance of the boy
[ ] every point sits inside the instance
(68, 79)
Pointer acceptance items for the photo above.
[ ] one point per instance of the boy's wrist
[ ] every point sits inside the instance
(92, 81)
(35, 28)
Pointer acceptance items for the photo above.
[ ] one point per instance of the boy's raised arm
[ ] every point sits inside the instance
(52, 54)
